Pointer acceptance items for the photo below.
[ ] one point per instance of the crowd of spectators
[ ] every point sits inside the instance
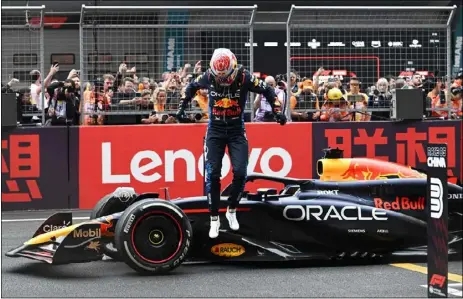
(310, 100)
(124, 98)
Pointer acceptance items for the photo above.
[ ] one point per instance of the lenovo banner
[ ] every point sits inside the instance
(404, 143)
(149, 158)
(35, 172)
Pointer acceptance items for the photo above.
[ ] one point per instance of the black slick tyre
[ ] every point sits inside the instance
(153, 236)
(108, 205)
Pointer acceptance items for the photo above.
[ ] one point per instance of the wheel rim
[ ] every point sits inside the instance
(157, 238)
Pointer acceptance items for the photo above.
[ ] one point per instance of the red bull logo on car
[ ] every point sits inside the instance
(400, 203)
(355, 169)
(359, 170)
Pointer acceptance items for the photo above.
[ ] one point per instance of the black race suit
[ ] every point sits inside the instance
(226, 128)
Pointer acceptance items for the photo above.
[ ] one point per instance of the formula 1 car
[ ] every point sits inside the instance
(364, 213)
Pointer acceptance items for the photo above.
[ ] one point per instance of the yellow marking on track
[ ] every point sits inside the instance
(424, 270)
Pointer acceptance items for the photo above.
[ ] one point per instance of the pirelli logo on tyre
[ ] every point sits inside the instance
(227, 250)
(129, 223)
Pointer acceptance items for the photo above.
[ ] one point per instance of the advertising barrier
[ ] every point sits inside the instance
(401, 142)
(45, 168)
(149, 158)
(35, 169)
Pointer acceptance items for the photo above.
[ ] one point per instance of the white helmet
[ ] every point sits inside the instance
(224, 66)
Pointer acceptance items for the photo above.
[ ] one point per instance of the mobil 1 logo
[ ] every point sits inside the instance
(437, 214)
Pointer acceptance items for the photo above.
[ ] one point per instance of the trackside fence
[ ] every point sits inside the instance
(159, 42)
(369, 43)
(23, 52)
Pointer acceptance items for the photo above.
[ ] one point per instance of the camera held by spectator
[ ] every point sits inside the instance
(159, 118)
(380, 97)
(456, 88)
(381, 93)
(62, 109)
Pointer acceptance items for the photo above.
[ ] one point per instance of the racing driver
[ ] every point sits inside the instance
(228, 84)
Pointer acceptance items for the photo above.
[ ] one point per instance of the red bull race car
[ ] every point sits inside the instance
(359, 208)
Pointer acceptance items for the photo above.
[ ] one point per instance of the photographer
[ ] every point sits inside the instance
(201, 100)
(62, 110)
(158, 116)
(96, 99)
(262, 109)
(456, 89)
(25, 106)
(434, 97)
(456, 95)
(307, 99)
(380, 97)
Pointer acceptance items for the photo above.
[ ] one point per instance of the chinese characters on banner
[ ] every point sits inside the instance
(35, 168)
(21, 171)
(395, 142)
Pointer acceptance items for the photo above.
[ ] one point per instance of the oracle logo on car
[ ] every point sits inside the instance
(400, 203)
(140, 172)
(316, 212)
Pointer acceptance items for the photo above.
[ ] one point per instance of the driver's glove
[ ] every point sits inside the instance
(280, 118)
(181, 115)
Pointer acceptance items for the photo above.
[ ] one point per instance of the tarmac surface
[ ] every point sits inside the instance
(26, 278)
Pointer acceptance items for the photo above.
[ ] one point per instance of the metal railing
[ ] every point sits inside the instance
(155, 42)
(369, 43)
(152, 45)
(22, 52)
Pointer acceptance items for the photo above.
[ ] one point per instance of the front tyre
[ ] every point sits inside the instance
(153, 236)
(110, 204)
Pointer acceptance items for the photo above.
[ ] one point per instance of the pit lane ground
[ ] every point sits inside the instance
(26, 278)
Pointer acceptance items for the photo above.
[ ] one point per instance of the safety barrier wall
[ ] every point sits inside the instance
(73, 167)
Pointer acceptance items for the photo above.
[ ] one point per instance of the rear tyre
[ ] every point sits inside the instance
(153, 236)
(110, 204)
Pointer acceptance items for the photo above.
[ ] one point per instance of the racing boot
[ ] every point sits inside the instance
(215, 225)
(232, 221)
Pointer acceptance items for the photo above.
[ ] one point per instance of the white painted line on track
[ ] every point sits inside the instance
(40, 219)
(452, 289)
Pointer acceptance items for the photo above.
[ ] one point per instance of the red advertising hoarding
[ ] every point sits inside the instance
(400, 142)
(58, 167)
(149, 158)
(35, 169)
